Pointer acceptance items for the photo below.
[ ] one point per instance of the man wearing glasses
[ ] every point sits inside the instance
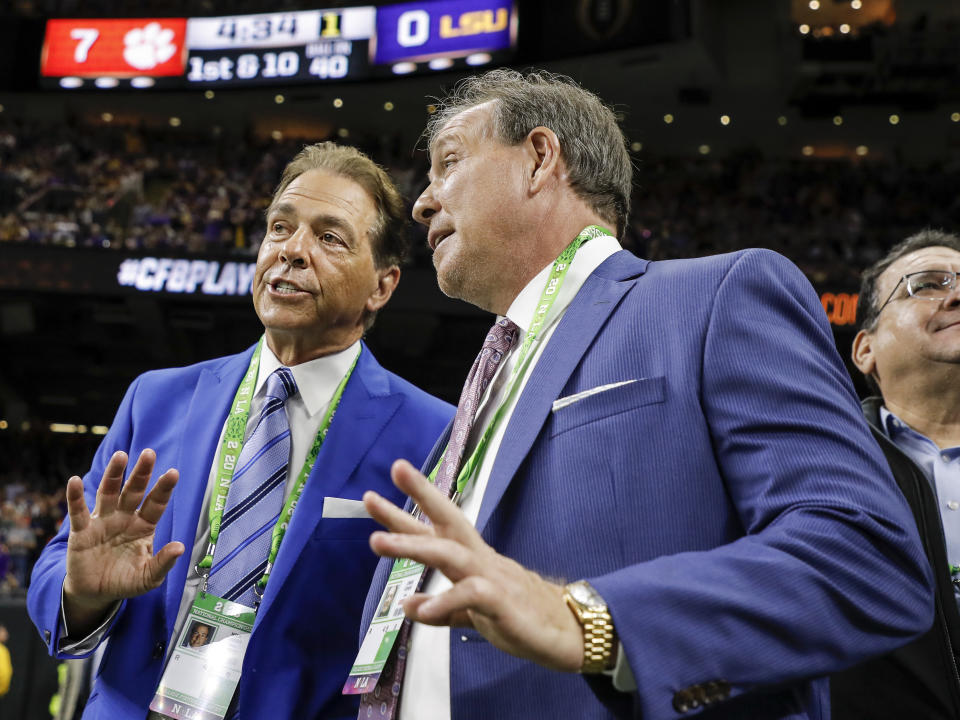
(908, 347)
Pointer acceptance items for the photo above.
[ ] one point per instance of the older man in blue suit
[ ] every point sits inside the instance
(669, 502)
(329, 261)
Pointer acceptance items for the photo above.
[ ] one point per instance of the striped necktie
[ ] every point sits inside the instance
(255, 499)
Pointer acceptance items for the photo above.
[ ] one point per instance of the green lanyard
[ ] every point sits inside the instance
(227, 461)
(550, 291)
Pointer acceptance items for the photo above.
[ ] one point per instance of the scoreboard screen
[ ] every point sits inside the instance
(285, 47)
(413, 31)
(307, 46)
(114, 48)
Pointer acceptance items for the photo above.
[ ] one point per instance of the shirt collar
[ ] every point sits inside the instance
(588, 258)
(317, 380)
(890, 423)
(903, 435)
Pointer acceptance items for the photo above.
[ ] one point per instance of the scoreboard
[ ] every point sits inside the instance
(307, 46)
(286, 47)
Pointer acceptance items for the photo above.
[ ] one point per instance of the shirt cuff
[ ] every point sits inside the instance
(74, 646)
(621, 674)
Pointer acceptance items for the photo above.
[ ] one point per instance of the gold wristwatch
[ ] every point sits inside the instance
(599, 636)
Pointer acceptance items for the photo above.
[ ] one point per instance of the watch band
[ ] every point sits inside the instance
(599, 636)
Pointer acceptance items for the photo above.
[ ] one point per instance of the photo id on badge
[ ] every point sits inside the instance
(383, 630)
(203, 671)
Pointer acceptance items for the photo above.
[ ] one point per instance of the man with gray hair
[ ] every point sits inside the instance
(658, 470)
(908, 348)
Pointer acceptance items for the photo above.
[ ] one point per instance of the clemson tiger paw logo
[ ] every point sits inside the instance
(149, 46)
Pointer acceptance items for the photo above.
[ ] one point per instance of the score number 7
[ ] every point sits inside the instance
(87, 37)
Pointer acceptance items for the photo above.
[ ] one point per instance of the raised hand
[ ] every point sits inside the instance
(110, 551)
(515, 609)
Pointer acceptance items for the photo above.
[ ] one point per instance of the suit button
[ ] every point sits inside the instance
(722, 689)
(681, 701)
(714, 692)
(158, 650)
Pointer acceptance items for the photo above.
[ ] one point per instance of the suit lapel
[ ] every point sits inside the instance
(365, 409)
(583, 319)
(201, 429)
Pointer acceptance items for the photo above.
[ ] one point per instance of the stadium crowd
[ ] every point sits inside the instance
(141, 189)
(34, 464)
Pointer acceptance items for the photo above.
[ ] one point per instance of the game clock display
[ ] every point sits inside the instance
(276, 48)
(296, 46)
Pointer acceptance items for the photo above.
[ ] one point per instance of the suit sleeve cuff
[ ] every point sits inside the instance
(79, 646)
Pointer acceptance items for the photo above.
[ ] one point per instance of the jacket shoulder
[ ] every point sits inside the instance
(187, 374)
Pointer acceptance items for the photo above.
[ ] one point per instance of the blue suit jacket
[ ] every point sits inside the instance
(729, 503)
(304, 638)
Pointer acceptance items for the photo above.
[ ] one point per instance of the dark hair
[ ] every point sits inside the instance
(591, 142)
(389, 241)
(867, 304)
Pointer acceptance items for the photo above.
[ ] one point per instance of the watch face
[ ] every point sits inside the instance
(584, 594)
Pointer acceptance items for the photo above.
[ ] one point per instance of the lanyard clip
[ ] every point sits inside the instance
(261, 585)
(203, 574)
(204, 571)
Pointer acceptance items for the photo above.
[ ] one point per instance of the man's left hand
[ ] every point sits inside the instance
(512, 607)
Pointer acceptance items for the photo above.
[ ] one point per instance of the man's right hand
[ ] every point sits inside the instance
(110, 552)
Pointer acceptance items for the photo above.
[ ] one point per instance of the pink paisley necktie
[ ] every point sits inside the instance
(384, 700)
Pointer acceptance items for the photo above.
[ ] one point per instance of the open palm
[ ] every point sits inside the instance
(110, 551)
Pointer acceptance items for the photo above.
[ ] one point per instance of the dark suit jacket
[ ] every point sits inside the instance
(304, 638)
(919, 680)
(728, 503)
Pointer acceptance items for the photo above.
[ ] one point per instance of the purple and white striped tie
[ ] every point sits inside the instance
(255, 499)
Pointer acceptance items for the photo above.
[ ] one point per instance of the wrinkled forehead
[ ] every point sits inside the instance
(473, 124)
(324, 189)
(929, 258)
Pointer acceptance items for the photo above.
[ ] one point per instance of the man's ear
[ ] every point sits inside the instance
(387, 280)
(862, 353)
(543, 146)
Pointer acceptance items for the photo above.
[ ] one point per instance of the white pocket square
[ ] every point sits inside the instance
(563, 402)
(342, 508)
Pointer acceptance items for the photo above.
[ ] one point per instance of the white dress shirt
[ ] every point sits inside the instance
(316, 380)
(426, 682)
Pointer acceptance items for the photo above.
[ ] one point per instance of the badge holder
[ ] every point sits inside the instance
(382, 633)
(204, 667)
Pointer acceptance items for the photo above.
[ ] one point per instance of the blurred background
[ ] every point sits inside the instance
(141, 141)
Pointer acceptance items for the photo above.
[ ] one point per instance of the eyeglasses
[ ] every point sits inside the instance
(926, 285)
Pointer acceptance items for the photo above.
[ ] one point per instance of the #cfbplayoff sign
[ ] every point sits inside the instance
(202, 277)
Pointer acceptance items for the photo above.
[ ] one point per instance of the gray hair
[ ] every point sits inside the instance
(591, 142)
